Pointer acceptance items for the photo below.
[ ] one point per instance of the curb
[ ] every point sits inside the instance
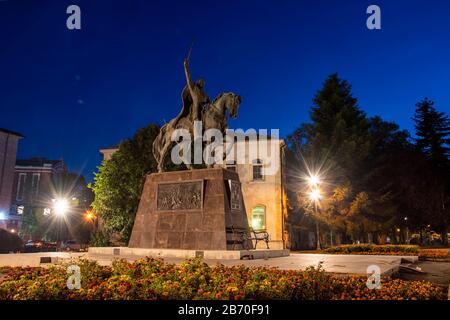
(434, 259)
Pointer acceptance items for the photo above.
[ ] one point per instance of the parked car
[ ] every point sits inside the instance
(39, 246)
(33, 246)
(50, 246)
(71, 245)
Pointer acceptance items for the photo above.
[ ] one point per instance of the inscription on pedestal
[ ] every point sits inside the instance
(180, 196)
(235, 195)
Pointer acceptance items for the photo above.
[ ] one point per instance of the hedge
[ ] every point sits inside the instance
(441, 254)
(374, 249)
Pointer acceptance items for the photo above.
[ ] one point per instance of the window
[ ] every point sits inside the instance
(259, 218)
(21, 186)
(47, 211)
(35, 185)
(257, 170)
(231, 165)
(20, 209)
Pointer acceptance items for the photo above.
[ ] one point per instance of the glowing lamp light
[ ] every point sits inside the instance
(89, 215)
(313, 180)
(13, 230)
(315, 195)
(60, 206)
(2, 215)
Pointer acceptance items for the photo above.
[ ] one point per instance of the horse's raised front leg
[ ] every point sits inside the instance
(163, 156)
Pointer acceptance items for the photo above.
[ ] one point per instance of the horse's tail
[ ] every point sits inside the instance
(157, 142)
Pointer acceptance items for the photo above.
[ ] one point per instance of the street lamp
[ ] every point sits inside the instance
(313, 180)
(60, 206)
(407, 230)
(91, 217)
(315, 196)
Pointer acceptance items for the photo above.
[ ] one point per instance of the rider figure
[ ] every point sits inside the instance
(199, 97)
(194, 98)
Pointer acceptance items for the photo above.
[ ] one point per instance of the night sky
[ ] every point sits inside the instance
(72, 92)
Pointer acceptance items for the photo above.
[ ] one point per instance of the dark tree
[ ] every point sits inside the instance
(375, 177)
(339, 127)
(433, 132)
(433, 139)
(338, 143)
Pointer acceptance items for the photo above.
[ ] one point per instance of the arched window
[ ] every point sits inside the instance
(257, 170)
(259, 218)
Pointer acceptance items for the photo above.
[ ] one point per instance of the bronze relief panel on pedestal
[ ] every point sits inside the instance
(186, 195)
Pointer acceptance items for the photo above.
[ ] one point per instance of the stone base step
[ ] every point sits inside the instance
(188, 254)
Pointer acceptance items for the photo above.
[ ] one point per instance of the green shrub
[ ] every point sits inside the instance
(99, 239)
(374, 249)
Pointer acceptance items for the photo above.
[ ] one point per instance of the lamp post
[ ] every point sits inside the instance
(60, 208)
(91, 217)
(315, 196)
(407, 230)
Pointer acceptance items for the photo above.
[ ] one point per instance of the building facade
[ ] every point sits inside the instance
(261, 177)
(33, 187)
(8, 152)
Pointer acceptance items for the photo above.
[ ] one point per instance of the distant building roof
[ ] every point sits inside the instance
(11, 132)
(110, 148)
(37, 162)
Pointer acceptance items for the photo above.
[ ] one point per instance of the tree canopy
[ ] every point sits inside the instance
(373, 175)
(119, 182)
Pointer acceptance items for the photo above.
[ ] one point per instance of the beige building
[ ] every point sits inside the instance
(108, 152)
(262, 187)
(260, 174)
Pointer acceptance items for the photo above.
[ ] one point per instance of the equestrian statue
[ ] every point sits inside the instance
(196, 106)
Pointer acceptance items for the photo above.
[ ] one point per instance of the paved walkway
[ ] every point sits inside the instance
(344, 264)
(34, 259)
(436, 272)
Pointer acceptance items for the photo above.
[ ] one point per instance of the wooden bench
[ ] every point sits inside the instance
(241, 235)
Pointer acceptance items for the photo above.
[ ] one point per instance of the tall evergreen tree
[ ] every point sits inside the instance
(339, 127)
(351, 152)
(433, 139)
(336, 144)
(433, 132)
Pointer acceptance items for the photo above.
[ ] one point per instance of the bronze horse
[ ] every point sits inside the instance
(214, 116)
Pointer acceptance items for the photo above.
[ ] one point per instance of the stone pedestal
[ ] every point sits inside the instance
(189, 210)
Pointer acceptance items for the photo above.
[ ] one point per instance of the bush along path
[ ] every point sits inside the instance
(154, 279)
(389, 249)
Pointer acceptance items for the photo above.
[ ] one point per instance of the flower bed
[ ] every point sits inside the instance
(406, 250)
(155, 279)
(434, 254)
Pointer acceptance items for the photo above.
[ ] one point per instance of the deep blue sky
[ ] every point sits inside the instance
(73, 92)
